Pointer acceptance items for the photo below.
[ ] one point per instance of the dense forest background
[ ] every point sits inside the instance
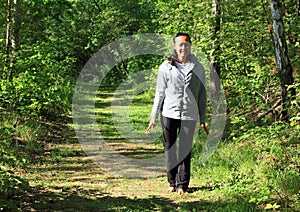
(46, 43)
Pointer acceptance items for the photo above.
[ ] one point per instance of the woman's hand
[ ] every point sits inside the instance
(151, 125)
(205, 128)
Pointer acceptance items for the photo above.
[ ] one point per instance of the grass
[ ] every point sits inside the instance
(256, 171)
(123, 126)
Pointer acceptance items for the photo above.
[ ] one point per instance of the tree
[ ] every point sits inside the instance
(8, 31)
(12, 34)
(284, 66)
(214, 58)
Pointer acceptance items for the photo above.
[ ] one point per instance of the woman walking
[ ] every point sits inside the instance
(180, 98)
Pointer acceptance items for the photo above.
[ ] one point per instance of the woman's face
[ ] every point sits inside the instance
(182, 47)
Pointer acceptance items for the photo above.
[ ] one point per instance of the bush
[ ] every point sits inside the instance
(261, 165)
(8, 160)
(36, 94)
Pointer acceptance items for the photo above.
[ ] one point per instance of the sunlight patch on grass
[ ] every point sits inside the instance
(132, 144)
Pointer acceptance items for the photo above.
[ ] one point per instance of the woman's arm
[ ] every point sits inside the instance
(161, 84)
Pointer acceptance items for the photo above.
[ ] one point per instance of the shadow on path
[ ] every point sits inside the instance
(92, 200)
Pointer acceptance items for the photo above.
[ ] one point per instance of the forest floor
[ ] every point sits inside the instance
(63, 178)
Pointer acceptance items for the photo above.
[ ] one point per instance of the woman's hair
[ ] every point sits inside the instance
(182, 34)
(174, 55)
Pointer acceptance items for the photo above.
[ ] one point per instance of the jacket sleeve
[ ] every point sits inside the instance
(202, 98)
(161, 84)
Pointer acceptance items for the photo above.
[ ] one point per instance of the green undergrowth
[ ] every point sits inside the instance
(260, 166)
(22, 143)
(17, 140)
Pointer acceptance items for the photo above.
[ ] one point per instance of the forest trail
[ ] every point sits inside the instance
(63, 178)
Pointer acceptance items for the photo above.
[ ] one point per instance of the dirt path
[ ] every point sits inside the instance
(63, 178)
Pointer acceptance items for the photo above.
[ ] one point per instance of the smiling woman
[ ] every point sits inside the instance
(182, 47)
(180, 98)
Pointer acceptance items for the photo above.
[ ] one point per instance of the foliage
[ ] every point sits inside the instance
(19, 146)
(32, 94)
(57, 38)
(9, 159)
(261, 165)
(256, 161)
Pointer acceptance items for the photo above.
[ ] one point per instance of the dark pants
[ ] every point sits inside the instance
(178, 165)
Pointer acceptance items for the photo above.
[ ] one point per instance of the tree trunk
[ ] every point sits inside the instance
(12, 36)
(214, 57)
(7, 41)
(284, 66)
(15, 28)
(97, 5)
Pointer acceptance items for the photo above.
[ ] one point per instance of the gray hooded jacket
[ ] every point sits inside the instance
(180, 96)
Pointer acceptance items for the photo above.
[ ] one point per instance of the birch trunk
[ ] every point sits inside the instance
(284, 67)
(7, 39)
(12, 36)
(15, 20)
